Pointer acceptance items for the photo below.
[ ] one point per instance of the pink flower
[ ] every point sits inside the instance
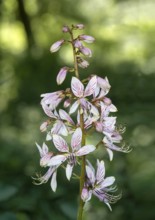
(44, 154)
(110, 139)
(62, 124)
(50, 101)
(79, 91)
(98, 185)
(62, 75)
(76, 151)
(56, 46)
(51, 173)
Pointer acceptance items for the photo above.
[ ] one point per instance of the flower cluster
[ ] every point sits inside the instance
(87, 101)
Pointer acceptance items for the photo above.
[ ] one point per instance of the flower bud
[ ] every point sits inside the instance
(79, 26)
(86, 51)
(67, 103)
(61, 75)
(87, 38)
(107, 101)
(82, 63)
(43, 126)
(85, 196)
(65, 29)
(56, 46)
(78, 44)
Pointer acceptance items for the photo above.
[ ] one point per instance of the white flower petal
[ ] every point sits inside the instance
(60, 143)
(65, 116)
(110, 153)
(40, 150)
(100, 171)
(54, 181)
(74, 107)
(45, 148)
(57, 160)
(63, 130)
(77, 87)
(76, 139)
(61, 75)
(85, 150)
(90, 88)
(86, 194)
(108, 181)
(90, 175)
(69, 170)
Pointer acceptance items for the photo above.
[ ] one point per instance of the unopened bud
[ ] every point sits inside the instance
(87, 38)
(65, 29)
(56, 46)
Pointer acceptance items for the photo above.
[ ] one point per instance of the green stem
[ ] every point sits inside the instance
(83, 161)
(74, 55)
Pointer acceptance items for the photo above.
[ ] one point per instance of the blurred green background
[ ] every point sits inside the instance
(124, 51)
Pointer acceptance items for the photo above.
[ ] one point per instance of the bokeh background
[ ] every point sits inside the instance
(124, 51)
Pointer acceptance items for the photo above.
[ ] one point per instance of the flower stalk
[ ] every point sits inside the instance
(87, 99)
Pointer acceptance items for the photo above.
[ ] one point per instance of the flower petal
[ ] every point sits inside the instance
(85, 150)
(86, 194)
(74, 107)
(65, 116)
(100, 171)
(61, 75)
(54, 181)
(108, 181)
(90, 175)
(56, 46)
(60, 143)
(69, 169)
(76, 139)
(57, 160)
(110, 153)
(77, 87)
(90, 88)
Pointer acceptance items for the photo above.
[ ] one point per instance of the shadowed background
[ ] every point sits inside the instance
(124, 52)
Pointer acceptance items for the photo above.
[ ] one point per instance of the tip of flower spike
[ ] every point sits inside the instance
(78, 26)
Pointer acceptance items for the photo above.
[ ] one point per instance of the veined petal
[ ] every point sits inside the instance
(69, 169)
(60, 143)
(108, 181)
(76, 139)
(65, 116)
(74, 107)
(57, 160)
(63, 130)
(77, 87)
(90, 88)
(87, 38)
(45, 149)
(47, 110)
(85, 150)
(86, 194)
(61, 75)
(56, 46)
(90, 175)
(100, 171)
(54, 181)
